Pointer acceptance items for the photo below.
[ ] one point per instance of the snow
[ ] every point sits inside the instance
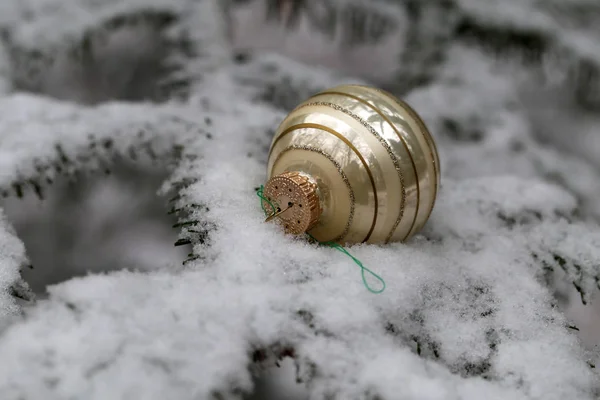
(468, 312)
(12, 259)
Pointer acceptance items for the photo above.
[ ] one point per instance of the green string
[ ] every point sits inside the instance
(337, 246)
(260, 193)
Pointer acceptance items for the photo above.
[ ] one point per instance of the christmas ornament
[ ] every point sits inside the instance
(352, 164)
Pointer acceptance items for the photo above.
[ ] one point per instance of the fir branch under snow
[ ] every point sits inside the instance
(13, 258)
(41, 137)
(468, 311)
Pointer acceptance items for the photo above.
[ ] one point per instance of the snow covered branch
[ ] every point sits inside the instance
(469, 310)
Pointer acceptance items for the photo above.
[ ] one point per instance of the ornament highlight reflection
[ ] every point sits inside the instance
(364, 161)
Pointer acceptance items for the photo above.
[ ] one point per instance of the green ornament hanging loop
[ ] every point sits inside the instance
(337, 246)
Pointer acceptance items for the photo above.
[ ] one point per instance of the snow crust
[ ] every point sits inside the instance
(469, 310)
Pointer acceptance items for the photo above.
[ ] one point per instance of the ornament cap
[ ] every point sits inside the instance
(296, 197)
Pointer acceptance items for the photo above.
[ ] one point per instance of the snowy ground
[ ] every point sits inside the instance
(105, 103)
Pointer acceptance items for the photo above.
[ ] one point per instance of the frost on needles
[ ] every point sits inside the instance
(468, 312)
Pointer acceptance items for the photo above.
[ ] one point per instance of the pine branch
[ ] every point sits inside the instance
(466, 299)
(135, 50)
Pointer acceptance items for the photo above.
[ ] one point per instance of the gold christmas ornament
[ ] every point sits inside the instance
(352, 164)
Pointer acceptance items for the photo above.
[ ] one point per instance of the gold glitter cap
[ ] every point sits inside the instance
(295, 195)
